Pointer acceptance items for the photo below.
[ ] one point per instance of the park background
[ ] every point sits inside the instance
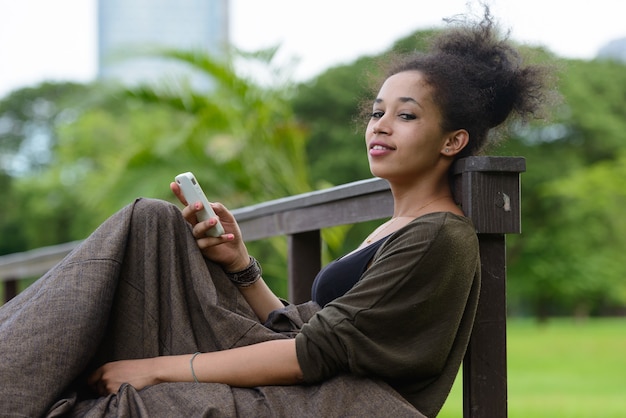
(259, 134)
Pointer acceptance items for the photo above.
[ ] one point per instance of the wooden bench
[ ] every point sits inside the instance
(488, 190)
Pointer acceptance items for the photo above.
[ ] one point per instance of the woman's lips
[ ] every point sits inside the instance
(378, 149)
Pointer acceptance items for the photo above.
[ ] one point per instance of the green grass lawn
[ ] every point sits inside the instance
(562, 369)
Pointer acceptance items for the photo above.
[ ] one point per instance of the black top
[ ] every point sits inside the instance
(340, 275)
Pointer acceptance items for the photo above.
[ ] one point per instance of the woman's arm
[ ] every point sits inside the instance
(229, 251)
(261, 299)
(268, 363)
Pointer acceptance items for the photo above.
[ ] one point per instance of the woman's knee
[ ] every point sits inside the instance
(156, 210)
(154, 205)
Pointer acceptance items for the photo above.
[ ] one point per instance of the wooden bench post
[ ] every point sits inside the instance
(304, 261)
(10, 289)
(488, 189)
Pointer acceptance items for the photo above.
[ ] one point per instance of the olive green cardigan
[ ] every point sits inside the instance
(409, 318)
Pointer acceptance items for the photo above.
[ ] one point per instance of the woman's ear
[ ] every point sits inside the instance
(455, 142)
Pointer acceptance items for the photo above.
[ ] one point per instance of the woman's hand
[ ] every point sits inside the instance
(138, 373)
(228, 250)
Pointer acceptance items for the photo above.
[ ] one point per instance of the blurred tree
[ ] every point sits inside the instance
(328, 107)
(593, 199)
(12, 237)
(29, 121)
(594, 115)
(566, 260)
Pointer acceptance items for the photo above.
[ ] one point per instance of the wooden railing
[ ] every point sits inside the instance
(488, 190)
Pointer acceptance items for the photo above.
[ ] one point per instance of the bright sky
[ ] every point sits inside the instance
(56, 39)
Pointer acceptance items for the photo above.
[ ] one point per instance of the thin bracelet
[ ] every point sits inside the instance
(191, 365)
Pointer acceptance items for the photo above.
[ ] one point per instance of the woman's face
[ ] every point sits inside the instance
(404, 137)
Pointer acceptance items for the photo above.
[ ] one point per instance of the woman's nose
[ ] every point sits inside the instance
(380, 127)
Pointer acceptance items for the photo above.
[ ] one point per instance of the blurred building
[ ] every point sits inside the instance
(127, 26)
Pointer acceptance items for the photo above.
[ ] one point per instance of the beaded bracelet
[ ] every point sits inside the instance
(247, 276)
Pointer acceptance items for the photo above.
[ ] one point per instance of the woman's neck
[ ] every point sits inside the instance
(419, 199)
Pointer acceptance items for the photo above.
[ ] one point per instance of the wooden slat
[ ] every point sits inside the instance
(33, 263)
(319, 197)
(307, 217)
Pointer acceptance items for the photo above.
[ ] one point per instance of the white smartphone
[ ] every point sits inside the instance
(193, 193)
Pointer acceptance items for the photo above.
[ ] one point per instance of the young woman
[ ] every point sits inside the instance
(151, 317)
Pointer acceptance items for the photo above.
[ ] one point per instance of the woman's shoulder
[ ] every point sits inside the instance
(443, 228)
(437, 223)
(443, 218)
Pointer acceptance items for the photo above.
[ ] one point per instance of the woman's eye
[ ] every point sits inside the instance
(377, 114)
(407, 116)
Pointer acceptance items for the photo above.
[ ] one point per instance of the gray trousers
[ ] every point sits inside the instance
(139, 287)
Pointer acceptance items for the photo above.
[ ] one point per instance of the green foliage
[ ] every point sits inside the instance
(328, 107)
(10, 219)
(567, 259)
(29, 121)
(585, 256)
(595, 93)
